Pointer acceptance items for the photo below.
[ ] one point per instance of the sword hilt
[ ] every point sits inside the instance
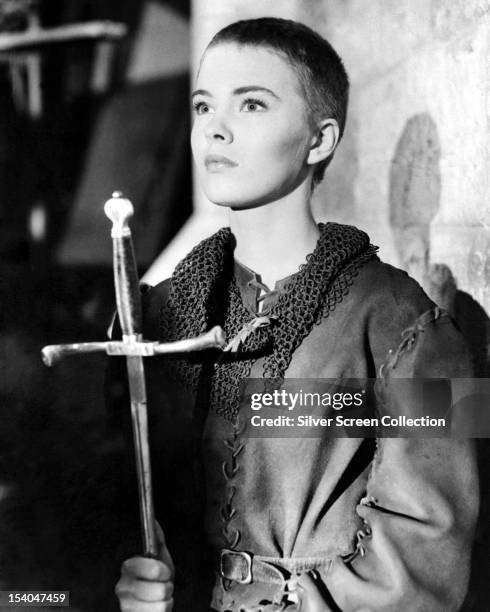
(119, 210)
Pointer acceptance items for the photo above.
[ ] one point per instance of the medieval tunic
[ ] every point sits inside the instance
(385, 525)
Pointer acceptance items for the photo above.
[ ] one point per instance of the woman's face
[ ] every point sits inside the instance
(251, 134)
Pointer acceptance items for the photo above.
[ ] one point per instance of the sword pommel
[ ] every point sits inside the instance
(119, 210)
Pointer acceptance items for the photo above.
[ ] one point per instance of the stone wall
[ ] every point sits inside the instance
(413, 166)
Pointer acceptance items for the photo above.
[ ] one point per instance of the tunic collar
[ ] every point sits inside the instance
(257, 297)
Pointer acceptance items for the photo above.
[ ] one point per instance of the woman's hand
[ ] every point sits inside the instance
(146, 585)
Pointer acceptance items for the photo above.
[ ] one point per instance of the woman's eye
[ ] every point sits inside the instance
(201, 108)
(252, 106)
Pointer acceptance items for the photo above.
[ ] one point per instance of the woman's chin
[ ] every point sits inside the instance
(231, 194)
(234, 204)
(225, 198)
(220, 203)
(236, 198)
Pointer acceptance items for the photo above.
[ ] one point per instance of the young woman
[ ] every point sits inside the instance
(293, 523)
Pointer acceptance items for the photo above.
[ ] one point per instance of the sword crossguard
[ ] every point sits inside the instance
(128, 347)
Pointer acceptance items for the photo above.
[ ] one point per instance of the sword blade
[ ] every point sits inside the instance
(139, 419)
(119, 210)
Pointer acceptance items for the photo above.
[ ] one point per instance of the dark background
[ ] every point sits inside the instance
(67, 499)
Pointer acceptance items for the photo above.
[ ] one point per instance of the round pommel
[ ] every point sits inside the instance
(119, 210)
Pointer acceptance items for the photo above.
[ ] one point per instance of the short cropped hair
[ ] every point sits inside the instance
(320, 70)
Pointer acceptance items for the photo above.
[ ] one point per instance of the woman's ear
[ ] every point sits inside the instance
(324, 142)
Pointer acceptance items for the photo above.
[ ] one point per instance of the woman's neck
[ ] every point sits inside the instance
(274, 239)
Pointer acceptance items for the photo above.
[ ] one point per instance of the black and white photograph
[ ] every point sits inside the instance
(245, 305)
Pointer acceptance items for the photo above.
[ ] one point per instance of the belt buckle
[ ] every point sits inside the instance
(236, 558)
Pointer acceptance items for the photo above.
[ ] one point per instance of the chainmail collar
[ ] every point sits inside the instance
(204, 293)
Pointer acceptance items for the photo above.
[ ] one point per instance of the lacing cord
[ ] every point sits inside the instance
(230, 469)
(360, 549)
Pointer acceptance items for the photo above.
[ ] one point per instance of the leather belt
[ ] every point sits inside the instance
(244, 567)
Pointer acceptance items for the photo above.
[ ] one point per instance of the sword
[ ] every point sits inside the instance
(134, 348)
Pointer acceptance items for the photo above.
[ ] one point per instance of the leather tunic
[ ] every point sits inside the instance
(386, 525)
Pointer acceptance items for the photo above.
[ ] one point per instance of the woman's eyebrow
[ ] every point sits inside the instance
(201, 92)
(238, 91)
(249, 88)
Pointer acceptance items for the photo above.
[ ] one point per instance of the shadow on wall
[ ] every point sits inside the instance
(415, 188)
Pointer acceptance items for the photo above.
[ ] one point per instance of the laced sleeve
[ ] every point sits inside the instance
(421, 504)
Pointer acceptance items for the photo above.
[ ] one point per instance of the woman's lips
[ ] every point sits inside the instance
(215, 163)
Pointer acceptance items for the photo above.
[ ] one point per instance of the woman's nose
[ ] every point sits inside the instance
(217, 128)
